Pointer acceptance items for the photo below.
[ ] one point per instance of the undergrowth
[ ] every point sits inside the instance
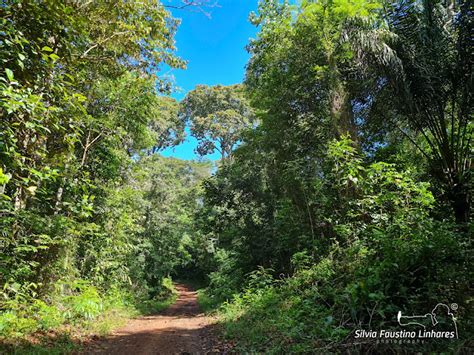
(306, 313)
(384, 255)
(62, 324)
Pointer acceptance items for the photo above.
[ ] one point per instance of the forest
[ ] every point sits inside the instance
(341, 197)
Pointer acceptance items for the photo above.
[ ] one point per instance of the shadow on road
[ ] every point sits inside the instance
(179, 329)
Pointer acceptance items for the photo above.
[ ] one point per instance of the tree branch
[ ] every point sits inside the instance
(88, 145)
(99, 43)
(195, 4)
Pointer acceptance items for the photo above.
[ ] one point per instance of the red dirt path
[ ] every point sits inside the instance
(180, 329)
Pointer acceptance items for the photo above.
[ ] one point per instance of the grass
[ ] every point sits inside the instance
(163, 300)
(43, 345)
(206, 302)
(156, 305)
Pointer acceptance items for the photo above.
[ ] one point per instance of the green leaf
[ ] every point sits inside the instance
(54, 57)
(9, 74)
(47, 49)
(4, 178)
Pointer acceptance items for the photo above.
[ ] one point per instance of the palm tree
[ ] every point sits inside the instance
(422, 55)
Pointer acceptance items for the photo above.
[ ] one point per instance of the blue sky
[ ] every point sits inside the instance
(215, 50)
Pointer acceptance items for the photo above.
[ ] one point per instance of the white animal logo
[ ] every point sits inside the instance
(429, 319)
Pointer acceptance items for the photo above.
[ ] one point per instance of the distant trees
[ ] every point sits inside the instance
(168, 193)
(218, 115)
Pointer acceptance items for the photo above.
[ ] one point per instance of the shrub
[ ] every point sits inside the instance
(48, 316)
(85, 302)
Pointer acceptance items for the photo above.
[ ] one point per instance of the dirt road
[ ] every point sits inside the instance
(180, 329)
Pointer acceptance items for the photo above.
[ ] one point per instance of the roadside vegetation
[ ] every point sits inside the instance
(350, 200)
(92, 221)
(66, 323)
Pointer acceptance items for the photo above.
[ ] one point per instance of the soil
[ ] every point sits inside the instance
(180, 329)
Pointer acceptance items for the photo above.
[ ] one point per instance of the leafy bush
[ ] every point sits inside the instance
(14, 325)
(164, 297)
(48, 316)
(85, 303)
(224, 282)
(82, 304)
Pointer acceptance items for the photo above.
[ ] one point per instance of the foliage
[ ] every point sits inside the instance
(343, 195)
(58, 325)
(218, 116)
(83, 208)
(387, 254)
(353, 191)
(431, 97)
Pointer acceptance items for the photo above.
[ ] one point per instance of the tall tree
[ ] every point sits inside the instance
(218, 116)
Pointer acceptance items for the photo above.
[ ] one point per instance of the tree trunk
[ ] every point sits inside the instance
(461, 203)
(59, 197)
(341, 111)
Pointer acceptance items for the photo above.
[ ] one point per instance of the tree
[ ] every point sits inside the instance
(218, 116)
(422, 61)
(145, 225)
(78, 99)
(301, 68)
(165, 123)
